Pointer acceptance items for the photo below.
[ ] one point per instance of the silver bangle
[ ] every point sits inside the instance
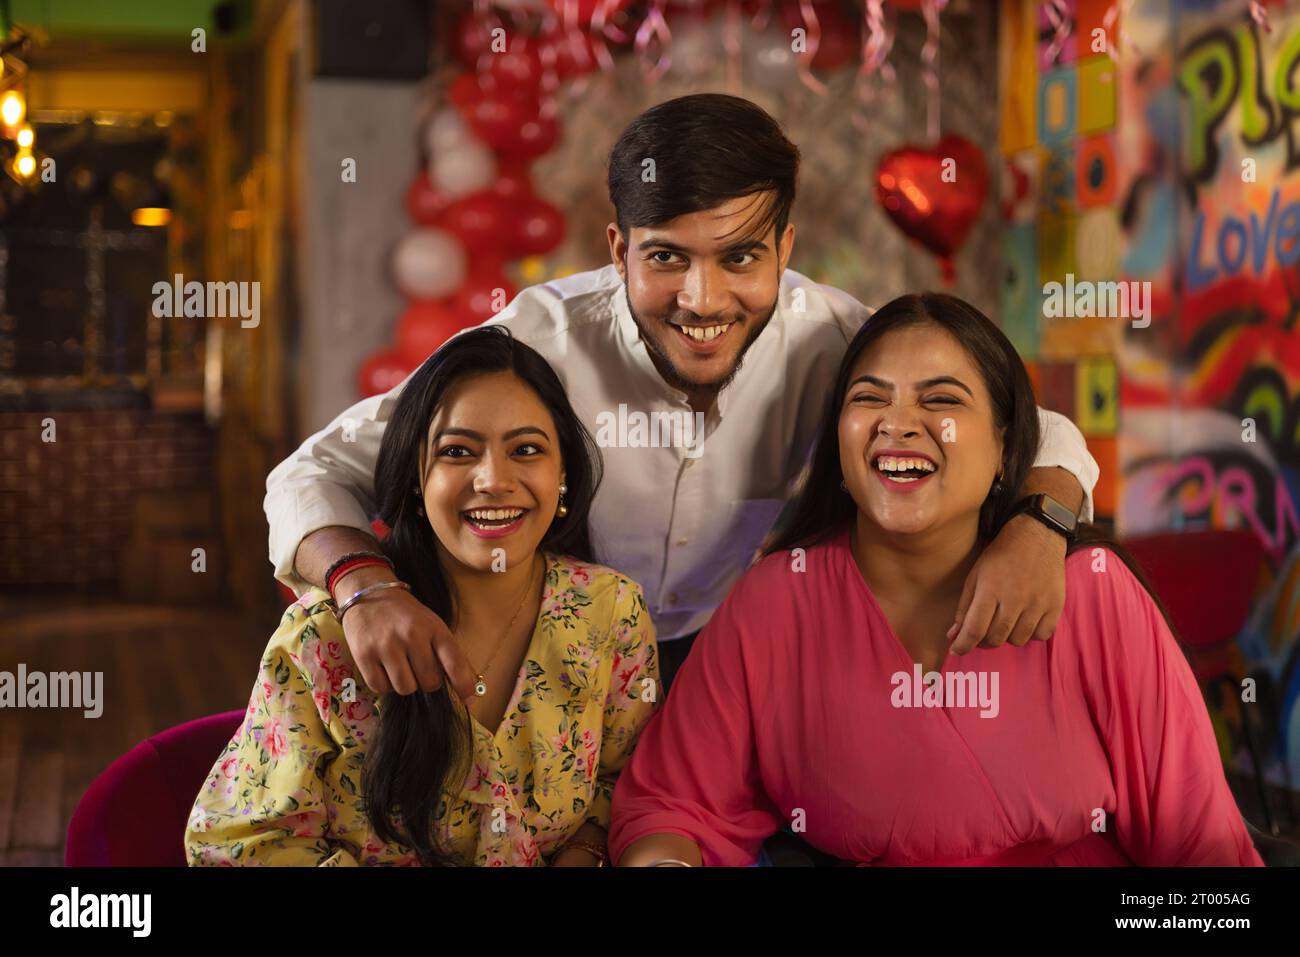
(668, 862)
(369, 589)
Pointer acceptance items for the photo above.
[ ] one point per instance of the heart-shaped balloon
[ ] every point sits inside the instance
(934, 195)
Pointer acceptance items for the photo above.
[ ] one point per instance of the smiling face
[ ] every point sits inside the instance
(918, 444)
(701, 287)
(492, 471)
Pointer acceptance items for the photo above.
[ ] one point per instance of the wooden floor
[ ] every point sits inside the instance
(162, 667)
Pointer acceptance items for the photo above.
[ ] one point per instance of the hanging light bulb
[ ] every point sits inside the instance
(26, 137)
(12, 108)
(24, 166)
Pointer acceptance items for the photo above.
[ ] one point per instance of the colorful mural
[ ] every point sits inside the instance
(1169, 154)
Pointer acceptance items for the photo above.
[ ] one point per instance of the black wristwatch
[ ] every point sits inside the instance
(1050, 512)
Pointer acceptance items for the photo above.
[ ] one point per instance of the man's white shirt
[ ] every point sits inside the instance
(683, 518)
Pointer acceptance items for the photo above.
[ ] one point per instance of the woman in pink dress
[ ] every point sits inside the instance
(821, 696)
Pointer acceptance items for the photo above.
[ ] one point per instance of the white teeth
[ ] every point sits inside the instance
(494, 514)
(891, 463)
(705, 333)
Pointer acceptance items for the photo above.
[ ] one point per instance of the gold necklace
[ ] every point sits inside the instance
(480, 684)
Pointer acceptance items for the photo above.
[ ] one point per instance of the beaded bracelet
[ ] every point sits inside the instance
(332, 574)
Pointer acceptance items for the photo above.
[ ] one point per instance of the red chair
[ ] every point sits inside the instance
(134, 814)
(1208, 581)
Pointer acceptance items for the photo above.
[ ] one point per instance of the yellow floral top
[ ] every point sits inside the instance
(287, 789)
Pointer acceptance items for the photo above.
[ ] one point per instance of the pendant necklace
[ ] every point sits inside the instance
(480, 684)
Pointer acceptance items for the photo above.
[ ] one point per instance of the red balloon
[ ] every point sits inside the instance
(481, 221)
(574, 54)
(472, 40)
(840, 38)
(513, 178)
(464, 91)
(516, 70)
(424, 204)
(381, 372)
(538, 227)
(484, 293)
(511, 125)
(911, 189)
(426, 325)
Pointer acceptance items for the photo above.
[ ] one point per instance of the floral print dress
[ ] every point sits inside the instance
(287, 790)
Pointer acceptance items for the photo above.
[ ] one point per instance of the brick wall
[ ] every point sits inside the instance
(72, 511)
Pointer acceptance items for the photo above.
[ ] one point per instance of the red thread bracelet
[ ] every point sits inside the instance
(352, 566)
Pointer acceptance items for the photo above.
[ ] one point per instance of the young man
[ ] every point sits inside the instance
(697, 321)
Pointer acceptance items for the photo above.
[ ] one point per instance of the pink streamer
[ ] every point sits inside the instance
(930, 59)
(600, 30)
(1058, 15)
(814, 31)
(654, 25)
(877, 40)
(1260, 15)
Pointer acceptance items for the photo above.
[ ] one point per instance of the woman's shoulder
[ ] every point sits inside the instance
(794, 569)
(596, 596)
(1096, 570)
(592, 580)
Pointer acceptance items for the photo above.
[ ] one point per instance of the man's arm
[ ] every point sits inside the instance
(1016, 590)
(318, 504)
(327, 481)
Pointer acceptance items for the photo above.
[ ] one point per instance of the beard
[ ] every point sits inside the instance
(652, 333)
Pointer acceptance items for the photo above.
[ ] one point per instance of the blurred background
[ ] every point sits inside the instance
(373, 176)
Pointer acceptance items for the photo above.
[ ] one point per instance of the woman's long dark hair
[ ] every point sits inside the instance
(424, 741)
(820, 509)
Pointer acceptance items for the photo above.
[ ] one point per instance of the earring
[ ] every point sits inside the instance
(997, 485)
(563, 510)
(419, 509)
(843, 487)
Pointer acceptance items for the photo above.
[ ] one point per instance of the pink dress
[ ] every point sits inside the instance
(796, 708)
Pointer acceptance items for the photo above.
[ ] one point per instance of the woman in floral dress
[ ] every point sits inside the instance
(485, 479)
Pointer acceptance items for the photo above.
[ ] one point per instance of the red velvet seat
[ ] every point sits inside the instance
(1208, 581)
(134, 814)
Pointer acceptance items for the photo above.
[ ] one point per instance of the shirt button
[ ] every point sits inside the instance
(682, 541)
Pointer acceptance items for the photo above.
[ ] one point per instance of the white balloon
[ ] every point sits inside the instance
(446, 130)
(770, 63)
(463, 169)
(428, 264)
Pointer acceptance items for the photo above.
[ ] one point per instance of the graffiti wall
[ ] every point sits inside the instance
(1154, 146)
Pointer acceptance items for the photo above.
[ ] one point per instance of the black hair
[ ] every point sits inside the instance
(424, 740)
(706, 148)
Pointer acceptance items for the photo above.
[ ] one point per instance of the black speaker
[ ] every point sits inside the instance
(372, 39)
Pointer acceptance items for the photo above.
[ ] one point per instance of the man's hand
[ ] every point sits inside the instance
(1016, 590)
(398, 643)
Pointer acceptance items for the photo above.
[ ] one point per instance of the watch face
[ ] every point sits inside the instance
(1058, 513)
